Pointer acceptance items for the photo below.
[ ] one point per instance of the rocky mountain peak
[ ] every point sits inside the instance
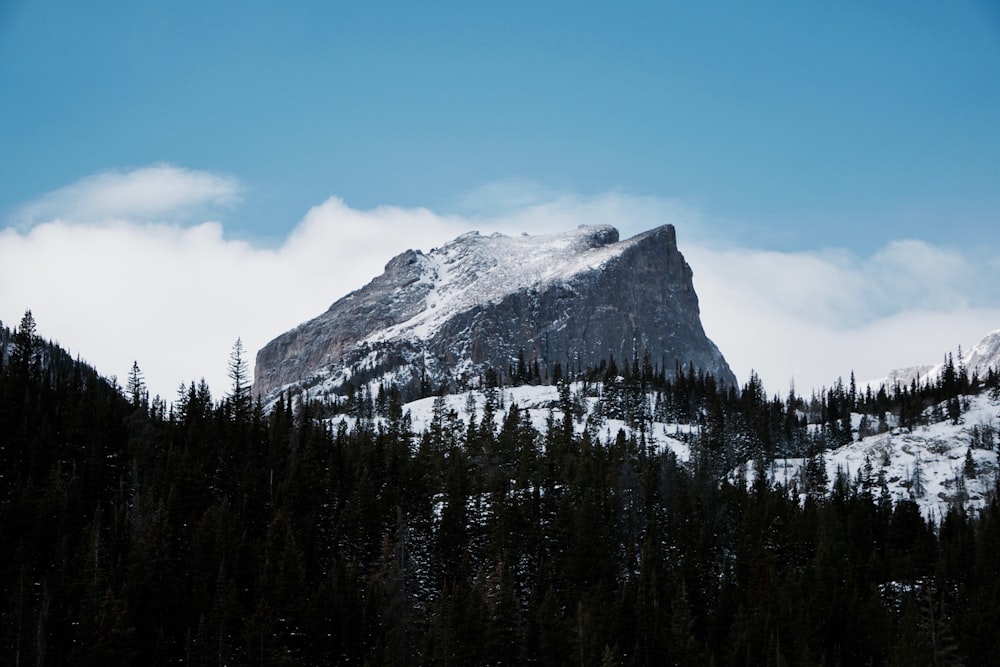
(574, 298)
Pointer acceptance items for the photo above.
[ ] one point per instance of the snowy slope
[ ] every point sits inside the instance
(936, 453)
(474, 269)
(983, 356)
(541, 403)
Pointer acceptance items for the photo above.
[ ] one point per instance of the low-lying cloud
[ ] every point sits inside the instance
(811, 317)
(111, 271)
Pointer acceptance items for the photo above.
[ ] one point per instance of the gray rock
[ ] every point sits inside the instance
(444, 317)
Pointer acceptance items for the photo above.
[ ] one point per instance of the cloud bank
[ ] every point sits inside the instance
(110, 270)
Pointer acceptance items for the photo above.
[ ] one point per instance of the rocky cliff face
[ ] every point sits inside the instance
(482, 301)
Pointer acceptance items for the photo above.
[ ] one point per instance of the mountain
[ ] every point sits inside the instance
(983, 356)
(575, 299)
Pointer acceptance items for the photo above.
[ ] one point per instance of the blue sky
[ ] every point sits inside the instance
(834, 130)
(795, 124)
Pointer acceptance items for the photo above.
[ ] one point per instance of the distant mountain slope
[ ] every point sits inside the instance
(574, 299)
(983, 356)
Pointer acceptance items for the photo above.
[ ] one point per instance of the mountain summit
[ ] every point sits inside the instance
(576, 298)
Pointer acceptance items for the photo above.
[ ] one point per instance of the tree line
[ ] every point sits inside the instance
(212, 531)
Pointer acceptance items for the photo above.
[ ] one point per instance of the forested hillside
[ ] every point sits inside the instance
(210, 531)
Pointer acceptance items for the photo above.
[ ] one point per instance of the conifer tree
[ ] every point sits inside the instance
(25, 352)
(918, 486)
(816, 478)
(969, 468)
(135, 390)
(239, 373)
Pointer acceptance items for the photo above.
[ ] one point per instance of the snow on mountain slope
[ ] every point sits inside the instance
(541, 403)
(937, 453)
(980, 358)
(926, 464)
(985, 354)
(474, 269)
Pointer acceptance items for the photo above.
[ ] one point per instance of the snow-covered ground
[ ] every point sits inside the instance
(936, 453)
(541, 402)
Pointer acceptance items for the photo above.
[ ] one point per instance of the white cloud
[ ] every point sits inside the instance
(814, 317)
(116, 279)
(156, 193)
(176, 298)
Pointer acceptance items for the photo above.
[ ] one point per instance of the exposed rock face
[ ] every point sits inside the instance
(575, 298)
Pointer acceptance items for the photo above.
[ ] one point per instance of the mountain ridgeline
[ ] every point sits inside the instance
(481, 303)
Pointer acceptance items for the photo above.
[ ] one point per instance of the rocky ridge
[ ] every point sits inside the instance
(573, 298)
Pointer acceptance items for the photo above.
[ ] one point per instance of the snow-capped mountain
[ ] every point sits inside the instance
(979, 359)
(985, 354)
(574, 299)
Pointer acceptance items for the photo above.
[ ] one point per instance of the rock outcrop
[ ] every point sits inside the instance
(480, 302)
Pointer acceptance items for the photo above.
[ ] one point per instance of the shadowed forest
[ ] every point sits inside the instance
(211, 531)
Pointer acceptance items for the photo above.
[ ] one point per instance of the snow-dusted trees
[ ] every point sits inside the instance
(815, 477)
(918, 485)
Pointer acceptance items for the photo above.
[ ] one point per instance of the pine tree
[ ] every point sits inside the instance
(816, 479)
(239, 373)
(918, 485)
(969, 468)
(954, 410)
(135, 390)
(25, 354)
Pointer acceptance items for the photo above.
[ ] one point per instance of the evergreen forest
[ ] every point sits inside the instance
(213, 531)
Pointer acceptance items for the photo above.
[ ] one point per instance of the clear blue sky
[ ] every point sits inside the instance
(790, 124)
